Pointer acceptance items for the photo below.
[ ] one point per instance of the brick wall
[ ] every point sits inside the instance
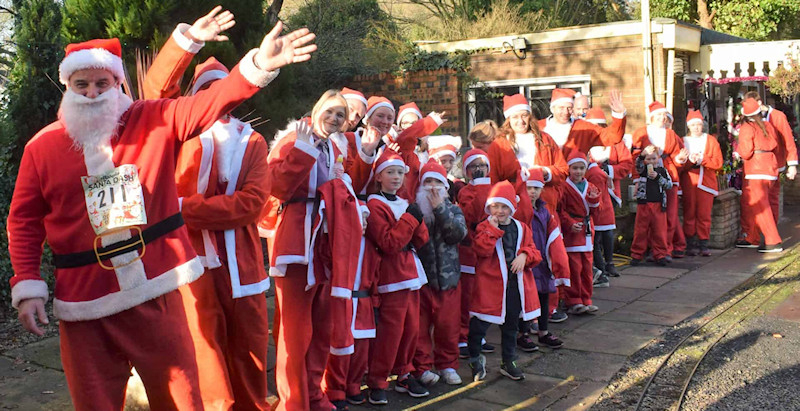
(725, 220)
(437, 90)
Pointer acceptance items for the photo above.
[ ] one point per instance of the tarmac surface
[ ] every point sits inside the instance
(639, 306)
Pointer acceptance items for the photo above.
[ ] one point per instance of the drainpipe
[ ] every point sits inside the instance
(670, 79)
(647, 48)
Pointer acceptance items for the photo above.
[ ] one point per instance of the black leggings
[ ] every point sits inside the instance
(478, 327)
(603, 248)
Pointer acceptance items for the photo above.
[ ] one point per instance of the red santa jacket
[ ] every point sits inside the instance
(703, 176)
(472, 200)
(48, 202)
(786, 152)
(758, 151)
(584, 135)
(556, 252)
(575, 207)
(233, 207)
(669, 146)
(505, 166)
(604, 218)
(491, 274)
(620, 166)
(392, 230)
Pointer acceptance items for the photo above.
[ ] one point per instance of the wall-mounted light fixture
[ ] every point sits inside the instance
(518, 46)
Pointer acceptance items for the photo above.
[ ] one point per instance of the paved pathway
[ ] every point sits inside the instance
(639, 305)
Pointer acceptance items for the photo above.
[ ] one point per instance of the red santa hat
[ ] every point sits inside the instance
(515, 104)
(207, 71)
(350, 94)
(655, 107)
(472, 155)
(409, 108)
(596, 115)
(443, 145)
(577, 157)
(432, 169)
(387, 159)
(600, 154)
(503, 193)
(750, 107)
(562, 95)
(93, 54)
(694, 116)
(376, 102)
(535, 177)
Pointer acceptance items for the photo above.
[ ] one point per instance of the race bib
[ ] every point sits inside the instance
(114, 199)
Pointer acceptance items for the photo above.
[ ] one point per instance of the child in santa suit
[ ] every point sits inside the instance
(758, 142)
(505, 288)
(651, 211)
(604, 220)
(699, 184)
(397, 229)
(440, 299)
(472, 200)
(553, 270)
(580, 203)
(444, 149)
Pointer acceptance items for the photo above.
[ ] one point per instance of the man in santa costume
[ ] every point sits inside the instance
(356, 106)
(671, 151)
(221, 178)
(577, 134)
(581, 107)
(98, 185)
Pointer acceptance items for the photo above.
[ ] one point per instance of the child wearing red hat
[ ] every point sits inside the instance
(397, 229)
(580, 203)
(505, 289)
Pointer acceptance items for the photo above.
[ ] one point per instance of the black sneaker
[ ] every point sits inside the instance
(678, 253)
(486, 348)
(550, 341)
(525, 343)
(635, 261)
(745, 244)
(596, 273)
(662, 261)
(558, 317)
(377, 396)
(611, 270)
(340, 405)
(357, 399)
(411, 386)
(510, 370)
(463, 352)
(478, 366)
(775, 248)
(602, 282)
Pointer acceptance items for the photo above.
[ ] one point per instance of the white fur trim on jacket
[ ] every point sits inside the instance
(183, 41)
(253, 74)
(27, 289)
(90, 59)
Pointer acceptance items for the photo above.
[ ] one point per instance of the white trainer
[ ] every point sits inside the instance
(450, 376)
(429, 378)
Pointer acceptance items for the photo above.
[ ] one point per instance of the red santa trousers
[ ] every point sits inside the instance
(153, 337)
(302, 333)
(650, 229)
(580, 278)
(465, 285)
(439, 327)
(395, 337)
(344, 372)
(761, 211)
(230, 339)
(697, 212)
(747, 218)
(676, 241)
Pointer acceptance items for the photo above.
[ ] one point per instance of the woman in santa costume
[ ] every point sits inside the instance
(699, 184)
(397, 229)
(221, 178)
(576, 134)
(757, 144)
(521, 145)
(99, 186)
(670, 148)
(356, 107)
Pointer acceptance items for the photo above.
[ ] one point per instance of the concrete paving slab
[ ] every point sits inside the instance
(507, 392)
(789, 309)
(581, 398)
(619, 293)
(638, 281)
(577, 321)
(611, 337)
(683, 295)
(46, 353)
(31, 387)
(469, 404)
(651, 312)
(663, 272)
(584, 366)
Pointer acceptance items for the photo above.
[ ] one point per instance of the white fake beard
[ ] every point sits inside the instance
(225, 138)
(425, 204)
(91, 122)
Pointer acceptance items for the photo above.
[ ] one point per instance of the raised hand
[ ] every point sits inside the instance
(615, 101)
(277, 51)
(209, 27)
(303, 131)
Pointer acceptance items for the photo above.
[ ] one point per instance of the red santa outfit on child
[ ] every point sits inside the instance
(85, 198)
(669, 146)
(579, 205)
